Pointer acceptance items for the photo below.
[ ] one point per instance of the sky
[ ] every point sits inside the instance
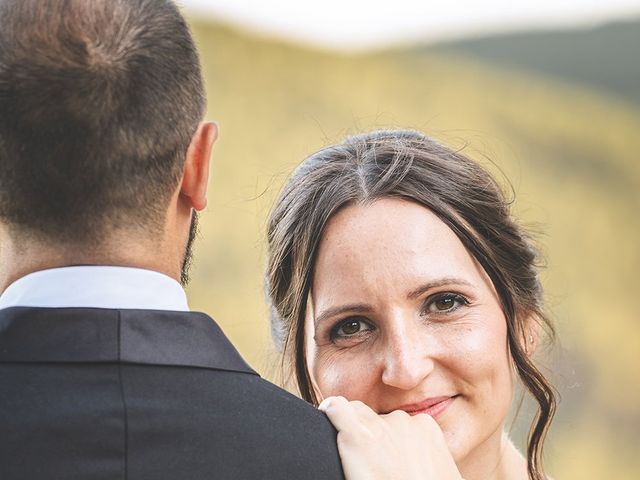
(361, 24)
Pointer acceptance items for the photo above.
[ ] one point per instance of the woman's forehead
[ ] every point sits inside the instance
(390, 241)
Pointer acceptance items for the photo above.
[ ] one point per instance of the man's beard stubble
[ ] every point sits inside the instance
(188, 250)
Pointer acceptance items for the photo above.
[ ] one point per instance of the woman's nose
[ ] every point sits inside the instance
(407, 361)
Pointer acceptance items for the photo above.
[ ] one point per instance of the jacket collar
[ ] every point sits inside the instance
(147, 337)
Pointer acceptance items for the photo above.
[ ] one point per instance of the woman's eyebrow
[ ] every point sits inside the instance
(441, 282)
(333, 311)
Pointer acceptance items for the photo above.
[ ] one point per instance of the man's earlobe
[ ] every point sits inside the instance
(196, 166)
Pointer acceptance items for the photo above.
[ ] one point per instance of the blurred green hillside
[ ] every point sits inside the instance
(605, 57)
(570, 154)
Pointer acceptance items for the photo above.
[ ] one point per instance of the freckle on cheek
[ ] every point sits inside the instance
(327, 377)
(475, 348)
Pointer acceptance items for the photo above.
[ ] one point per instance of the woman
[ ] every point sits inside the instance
(400, 282)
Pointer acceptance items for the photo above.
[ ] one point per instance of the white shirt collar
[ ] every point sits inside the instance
(96, 287)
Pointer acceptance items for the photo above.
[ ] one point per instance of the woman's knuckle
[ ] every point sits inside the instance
(398, 414)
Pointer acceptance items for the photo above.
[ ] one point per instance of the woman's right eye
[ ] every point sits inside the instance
(350, 327)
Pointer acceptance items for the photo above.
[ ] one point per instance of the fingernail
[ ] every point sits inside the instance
(325, 404)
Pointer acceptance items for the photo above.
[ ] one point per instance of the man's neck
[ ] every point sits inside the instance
(18, 259)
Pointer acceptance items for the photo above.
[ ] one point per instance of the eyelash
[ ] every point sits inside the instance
(334, 335)
(456, 297)
(448, 296)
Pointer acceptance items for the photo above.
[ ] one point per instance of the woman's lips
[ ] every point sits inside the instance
(432, 406)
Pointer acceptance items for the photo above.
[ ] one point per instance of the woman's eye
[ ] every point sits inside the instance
(445, 303)
(350, 327)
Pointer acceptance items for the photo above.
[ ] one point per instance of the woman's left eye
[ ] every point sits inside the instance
(445, 303)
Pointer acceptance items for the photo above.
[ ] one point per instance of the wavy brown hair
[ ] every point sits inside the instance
(408, 165)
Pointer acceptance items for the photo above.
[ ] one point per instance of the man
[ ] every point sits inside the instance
(104, 373)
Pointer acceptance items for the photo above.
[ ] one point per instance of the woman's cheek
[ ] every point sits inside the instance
(338, 372)
(479, 358)
(479, 342)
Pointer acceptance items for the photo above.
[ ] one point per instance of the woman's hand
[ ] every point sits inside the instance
(391, 446)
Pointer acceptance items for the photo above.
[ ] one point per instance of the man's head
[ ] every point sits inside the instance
(99, 103)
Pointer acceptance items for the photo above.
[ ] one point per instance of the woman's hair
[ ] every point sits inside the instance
(408, 165)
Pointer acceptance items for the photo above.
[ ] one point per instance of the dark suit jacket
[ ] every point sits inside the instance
(136, 394)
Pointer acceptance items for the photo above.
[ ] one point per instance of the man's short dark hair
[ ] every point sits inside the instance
(99, 100)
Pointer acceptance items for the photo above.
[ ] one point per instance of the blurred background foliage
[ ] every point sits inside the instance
(556, 116)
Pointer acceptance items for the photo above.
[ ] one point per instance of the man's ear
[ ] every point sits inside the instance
(196, 166)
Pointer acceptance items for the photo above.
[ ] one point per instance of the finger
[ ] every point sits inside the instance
(342, 414)
(430, 427)
(363, 411)
(326, 402)
(396, 414)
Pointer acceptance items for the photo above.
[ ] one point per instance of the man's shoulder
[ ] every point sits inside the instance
(244, 395)
(238, 421)
(171, 383)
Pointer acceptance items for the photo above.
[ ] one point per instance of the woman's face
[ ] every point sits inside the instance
(400, 316)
